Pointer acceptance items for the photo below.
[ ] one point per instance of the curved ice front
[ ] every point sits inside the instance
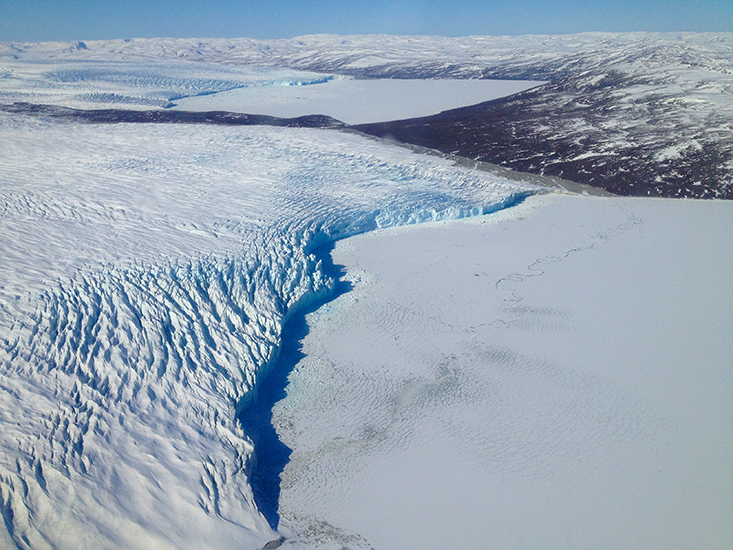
(146, 272)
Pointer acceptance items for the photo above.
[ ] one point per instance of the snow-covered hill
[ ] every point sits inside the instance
(637, 113)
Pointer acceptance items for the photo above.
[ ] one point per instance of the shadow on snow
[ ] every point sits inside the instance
(272, 454)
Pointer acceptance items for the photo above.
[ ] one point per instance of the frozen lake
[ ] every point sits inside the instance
(286, 93)
(555, 375)
(357, 101)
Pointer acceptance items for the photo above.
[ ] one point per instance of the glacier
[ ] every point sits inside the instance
(147, 272)
(644, 114)
(135, 83)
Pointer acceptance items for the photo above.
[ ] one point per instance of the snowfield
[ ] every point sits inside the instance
(554, 372)
(644, 114)
(134, 84)
(358, 101)
(553, 375)
(144, 84)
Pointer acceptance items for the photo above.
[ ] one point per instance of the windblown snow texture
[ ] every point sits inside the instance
(634, 113)
(147, 272)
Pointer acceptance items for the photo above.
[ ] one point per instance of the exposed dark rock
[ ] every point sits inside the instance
(110, 116)
(576, 132)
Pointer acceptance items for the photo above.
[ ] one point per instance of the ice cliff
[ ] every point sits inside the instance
(147, 272)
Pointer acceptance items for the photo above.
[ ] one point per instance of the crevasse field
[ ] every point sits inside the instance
(553, 373)
(147, 272)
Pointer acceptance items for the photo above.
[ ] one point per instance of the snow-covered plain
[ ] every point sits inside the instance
(556, 375)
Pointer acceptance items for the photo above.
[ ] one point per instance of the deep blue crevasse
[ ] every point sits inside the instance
(272, 455)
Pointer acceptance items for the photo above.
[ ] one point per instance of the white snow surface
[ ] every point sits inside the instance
(146, 272)
(555, 375)
(358, 101)
(671, 93)
(259, 90)
(705, 52)
(135, 84)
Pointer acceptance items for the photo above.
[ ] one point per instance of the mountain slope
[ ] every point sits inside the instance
(634, 113)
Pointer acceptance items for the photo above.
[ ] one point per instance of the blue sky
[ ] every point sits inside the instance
(35, 20)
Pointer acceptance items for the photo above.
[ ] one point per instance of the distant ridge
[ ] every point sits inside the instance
(647, 114)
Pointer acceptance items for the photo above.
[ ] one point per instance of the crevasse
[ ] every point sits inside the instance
(147, 274)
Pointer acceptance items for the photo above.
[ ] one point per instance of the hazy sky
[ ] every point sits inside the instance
(35, 20)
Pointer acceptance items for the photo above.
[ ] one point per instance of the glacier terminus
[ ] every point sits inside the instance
(165, 205)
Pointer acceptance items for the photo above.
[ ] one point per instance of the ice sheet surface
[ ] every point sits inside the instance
(135, 83)
(146, 272)
(557, 375)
